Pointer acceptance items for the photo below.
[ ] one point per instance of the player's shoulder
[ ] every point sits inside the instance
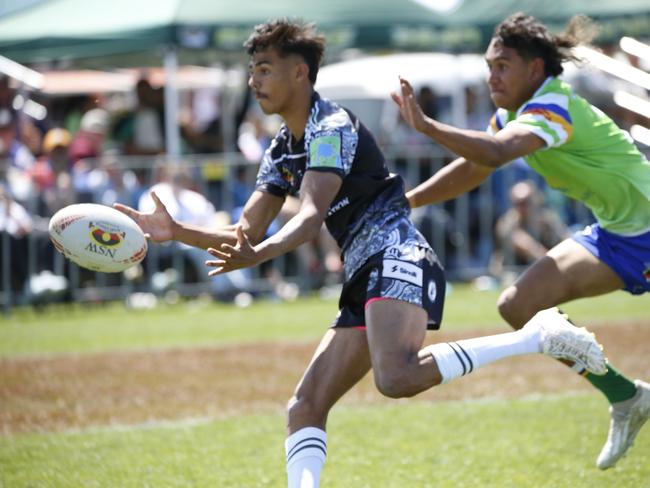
(556, 85)
(327, 115)
(554, 92)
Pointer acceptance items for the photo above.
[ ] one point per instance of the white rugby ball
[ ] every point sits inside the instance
(97, 237)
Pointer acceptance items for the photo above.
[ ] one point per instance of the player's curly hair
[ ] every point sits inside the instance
(289, 37)
(531, 39)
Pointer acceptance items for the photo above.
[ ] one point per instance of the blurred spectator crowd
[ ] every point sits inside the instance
(85, 151)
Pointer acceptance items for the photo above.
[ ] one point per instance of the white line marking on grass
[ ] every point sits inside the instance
(189, 422)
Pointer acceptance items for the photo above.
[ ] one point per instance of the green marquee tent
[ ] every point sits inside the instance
(74, 29)
(144, 32)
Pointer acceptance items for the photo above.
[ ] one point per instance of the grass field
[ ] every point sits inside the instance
(83, 329)
(193, 395)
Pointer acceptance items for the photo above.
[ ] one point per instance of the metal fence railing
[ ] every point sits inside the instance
(32, 273)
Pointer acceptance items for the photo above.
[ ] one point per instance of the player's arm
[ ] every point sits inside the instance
(159, 226)
(259, 211)
(484, 149)
(317, 191)
(458, 177)
(481, 148)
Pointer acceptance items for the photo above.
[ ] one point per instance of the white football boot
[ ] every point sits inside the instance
(563, 340)
(627, 420)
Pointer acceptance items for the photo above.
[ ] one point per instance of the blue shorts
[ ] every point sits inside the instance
(629, 257)
(407, 272)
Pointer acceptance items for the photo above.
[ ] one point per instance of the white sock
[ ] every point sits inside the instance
(459, 358)
(306, 451)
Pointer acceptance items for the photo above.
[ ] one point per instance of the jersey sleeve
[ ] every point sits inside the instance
(547, 116)
(269, 179)
(497, 122)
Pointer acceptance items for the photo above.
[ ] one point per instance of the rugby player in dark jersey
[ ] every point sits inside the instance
(394, 285)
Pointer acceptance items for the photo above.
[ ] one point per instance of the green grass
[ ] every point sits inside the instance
(84, 329)
(547, 442)
(535, 442)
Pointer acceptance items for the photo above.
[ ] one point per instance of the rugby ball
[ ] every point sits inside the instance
(97, 237)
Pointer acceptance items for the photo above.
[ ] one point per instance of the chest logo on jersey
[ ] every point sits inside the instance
(646, 273)
(287, 175)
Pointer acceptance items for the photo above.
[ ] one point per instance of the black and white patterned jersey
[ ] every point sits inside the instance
(370, 202)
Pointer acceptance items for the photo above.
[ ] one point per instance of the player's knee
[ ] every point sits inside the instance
(515, 309)
(301, 410)
(508, 306)
(391, 383)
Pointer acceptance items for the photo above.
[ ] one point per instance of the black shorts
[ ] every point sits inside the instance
(407, 272)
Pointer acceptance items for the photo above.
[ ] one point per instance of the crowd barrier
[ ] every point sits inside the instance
(32, 273)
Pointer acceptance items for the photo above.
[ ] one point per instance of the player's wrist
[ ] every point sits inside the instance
(428, 127)
(175, 231)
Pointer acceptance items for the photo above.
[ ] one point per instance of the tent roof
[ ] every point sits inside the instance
(63, 83)
(57, 29)
(73, 29)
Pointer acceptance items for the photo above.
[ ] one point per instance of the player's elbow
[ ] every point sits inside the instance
(490, 160)
(311, 225)
(494, 156)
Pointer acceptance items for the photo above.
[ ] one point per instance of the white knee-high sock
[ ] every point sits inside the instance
(459, 358)
(306, 451)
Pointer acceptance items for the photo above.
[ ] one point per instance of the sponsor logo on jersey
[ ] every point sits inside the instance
(344, 202)
(402, 270)
(432, 290)
(646, 273)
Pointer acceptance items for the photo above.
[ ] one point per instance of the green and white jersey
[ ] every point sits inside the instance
(587, 156)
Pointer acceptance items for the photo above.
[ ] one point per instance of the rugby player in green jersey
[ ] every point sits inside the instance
(581, 152)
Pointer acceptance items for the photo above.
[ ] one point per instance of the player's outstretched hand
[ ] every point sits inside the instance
(409, 107)
(156, 225)
(229, 258)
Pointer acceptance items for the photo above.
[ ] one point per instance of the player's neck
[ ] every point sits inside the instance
(297, 114)
(531, 92)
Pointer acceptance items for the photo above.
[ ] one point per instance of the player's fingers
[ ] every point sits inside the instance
(215, 272)
(159, 204)
(215, 263)
(241, 237)
(396, 98)
(218, 254)
(228, 249)
(126, 210)
(405, 85)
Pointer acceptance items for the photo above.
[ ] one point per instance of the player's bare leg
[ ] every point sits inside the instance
(568, 272)
(403, 368)
(396, 331)
(339, 362)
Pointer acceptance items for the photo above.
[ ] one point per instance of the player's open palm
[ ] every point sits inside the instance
(229, 258)
(409, 107)
(156, 225)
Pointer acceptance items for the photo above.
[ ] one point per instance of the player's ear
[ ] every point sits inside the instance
(538, 68)
(302, 71)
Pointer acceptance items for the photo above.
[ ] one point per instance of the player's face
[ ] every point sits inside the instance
(512, 79)
(272, 79)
